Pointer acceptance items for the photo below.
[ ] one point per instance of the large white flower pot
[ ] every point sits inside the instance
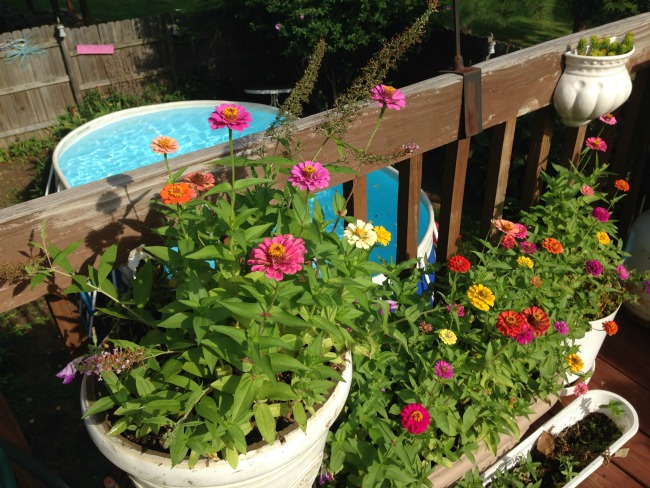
(592, 401)
(589, 347)
(591, 86)
(291, 463)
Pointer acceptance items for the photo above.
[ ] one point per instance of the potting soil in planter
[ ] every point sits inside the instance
(569, 451)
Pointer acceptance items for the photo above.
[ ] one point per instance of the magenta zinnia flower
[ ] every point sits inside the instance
(561, 327)
(608, 119)
(594, 267)
(596, 143)
(278, 256)
(622, 271)
(415, 418)
(526, 336)
(523, 231)
(601, 214)
(229, 115)
(528, 247)
(309, 175)
(387, 96)
(444, 370)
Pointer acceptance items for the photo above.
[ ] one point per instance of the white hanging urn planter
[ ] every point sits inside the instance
(293, 462)
(591, 86)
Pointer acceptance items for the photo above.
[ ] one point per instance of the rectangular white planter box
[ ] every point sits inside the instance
(593, 401)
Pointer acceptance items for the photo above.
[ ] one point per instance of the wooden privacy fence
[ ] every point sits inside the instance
(117, 209)
(38, 87)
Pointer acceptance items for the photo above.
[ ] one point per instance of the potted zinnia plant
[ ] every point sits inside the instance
(229, 354)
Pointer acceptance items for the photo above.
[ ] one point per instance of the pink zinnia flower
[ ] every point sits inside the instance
(278, 256)
(309, 175)
(443, 370)
(608, 119)
(561, 327)
(229, 115)
(508, 242)
(594, 267)
(596, 143)
(199, 181)
(581, 389)
(507, 227)
(522, 233)
(164, 145)
(528, 247)
(622, 271)
(586, 190)
(415, 418)
(387, 96)
(458, 308)
(526, 336)
(601, 214)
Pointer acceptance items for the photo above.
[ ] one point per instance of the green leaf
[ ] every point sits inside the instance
(265, 421)
(107, 263)
(282, 362)
(277, 391)
(300, 415)
(101, 405)
(119, 426)
(204, 253)
(142, 285)
(175, 321)
(177, 449)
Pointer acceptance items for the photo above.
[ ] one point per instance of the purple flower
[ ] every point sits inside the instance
(528, 247)
(601, 214)
(325, 477)
(69, 371)
(392, 306)
(561, 327)
(622, 272)
(525, 336)
(647, 287)
(594, 267)
(278, 26)
(444, 370)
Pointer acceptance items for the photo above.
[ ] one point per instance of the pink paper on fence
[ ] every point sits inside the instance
(95, 49)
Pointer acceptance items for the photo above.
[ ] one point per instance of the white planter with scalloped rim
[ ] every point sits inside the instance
(591, 86)
(592, 401)
(292, 463)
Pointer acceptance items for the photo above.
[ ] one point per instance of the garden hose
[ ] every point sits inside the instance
(30, 463)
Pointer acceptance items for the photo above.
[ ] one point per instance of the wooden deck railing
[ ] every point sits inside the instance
(117, 209)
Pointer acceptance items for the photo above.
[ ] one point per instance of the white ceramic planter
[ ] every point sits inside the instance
(589, 346)
(292, 463)
(592, 401)
(591, 86)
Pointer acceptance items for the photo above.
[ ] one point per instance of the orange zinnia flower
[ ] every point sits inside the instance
(610, 327)
(622, 185)
(174, 193)
(552, 245)
(164, 145)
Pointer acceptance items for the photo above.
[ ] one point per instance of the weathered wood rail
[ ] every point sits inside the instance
(117, 209)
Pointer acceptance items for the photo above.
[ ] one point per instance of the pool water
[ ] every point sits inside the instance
(122, 143)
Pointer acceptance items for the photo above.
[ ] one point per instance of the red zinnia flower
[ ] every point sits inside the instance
(281, 255)
(458, 264)
(415, 418)
(510, 323)
(229, 115)
(537, 320)
(552, 245)
(174, 193)
(610, 327)
(508, 241)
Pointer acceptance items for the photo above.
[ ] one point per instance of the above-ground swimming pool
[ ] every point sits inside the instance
(119, 142)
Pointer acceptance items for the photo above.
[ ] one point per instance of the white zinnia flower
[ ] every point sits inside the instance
(360, 235)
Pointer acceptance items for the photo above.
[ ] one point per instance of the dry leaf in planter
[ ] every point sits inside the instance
(546, 444)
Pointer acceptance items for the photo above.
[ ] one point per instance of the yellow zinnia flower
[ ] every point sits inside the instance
(447, 336)
(481, 297)
(602, 237)
(383, 236)
(575, 363)
(525, 261)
